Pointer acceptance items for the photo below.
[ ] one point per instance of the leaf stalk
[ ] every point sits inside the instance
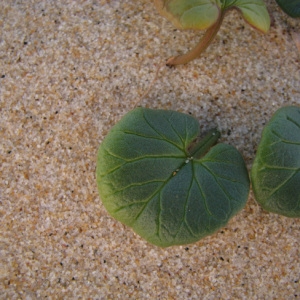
(203, 146)
(200, 47)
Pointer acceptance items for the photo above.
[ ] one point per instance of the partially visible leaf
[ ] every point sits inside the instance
(290, 7)
(150, 178)
(253, 11)
(276, 169)
(191, 14)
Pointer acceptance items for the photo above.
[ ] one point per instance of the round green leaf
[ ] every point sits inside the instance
(276, 169)
(290, 7)
(153, 177)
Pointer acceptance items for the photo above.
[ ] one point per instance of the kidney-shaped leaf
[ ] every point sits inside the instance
(290, 7)
(276, 169)
(150, 177)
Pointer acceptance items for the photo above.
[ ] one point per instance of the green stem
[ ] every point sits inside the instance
(200, 47)
(202, 147)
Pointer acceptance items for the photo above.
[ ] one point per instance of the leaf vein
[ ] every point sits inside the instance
(283, 140)
(283, 183)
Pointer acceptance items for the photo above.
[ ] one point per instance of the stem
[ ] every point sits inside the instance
(200, 47)
(202, 147)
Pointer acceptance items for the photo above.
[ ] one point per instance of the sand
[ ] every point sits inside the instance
(69, 70)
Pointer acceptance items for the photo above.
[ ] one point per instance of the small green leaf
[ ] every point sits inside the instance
(253, 11)
(156, 177)
(276, 169)
(290, 7)
(191, 14)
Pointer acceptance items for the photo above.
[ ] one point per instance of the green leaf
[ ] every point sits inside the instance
(276, 169)
(290, 7)
(253, 11)
(191, 14)
(156, 177)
